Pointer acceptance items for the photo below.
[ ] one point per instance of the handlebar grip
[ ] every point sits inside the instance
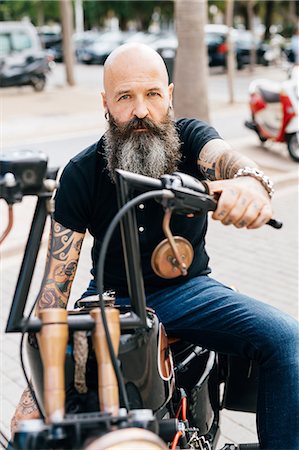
(275, 224)
(272, 222)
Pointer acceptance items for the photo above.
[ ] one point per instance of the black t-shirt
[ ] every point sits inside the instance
(86, 199)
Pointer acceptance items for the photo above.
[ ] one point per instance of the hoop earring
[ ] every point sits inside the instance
(107, 116)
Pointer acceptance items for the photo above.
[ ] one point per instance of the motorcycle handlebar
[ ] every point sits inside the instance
(191, 195)
(81, 321)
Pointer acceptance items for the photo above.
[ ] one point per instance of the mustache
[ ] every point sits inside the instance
(136, 123)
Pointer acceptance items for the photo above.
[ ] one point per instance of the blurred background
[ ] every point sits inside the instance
(212, 50)
(221, 55)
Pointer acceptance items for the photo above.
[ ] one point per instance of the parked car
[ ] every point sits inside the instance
(166, 45)
(244, 42)
(51, 39)
(164, 42)
(143, 37)
(22, 60)
(215, 38)
(290, 50)
(98, 51)
(83, 40)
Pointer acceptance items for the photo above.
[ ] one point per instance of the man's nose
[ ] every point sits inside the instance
(140, 110)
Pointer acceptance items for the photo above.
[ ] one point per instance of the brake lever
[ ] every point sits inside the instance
(185, 184)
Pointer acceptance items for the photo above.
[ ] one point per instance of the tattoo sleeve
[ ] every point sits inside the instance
(26, 410)
(62, 261)
(27, 405)
(217, 161)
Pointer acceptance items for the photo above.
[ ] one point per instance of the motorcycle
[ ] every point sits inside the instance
(274, 111)
(29, 72)
(106, 376)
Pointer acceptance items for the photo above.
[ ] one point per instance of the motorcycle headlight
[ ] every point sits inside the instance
(128, 439)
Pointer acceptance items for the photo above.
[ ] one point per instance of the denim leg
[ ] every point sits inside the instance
(91, 289)
(211, 314)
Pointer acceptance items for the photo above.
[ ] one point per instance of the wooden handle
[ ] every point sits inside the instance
(52, 340)
(107, 382)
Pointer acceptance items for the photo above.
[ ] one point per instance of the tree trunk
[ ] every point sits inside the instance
(251, 28)
(67, 32)
(292, 12)
(79, 16)
(231, 51)
(268, 18)
(191, 65)
(40, 14)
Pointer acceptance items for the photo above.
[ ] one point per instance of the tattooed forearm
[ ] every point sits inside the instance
(230, 162)
(50, 298)
(78, 244)
(63, 240)
(65, 247)
(64, 275)
(27, 405)
(207, 162)
(26, 409)
(218, 162)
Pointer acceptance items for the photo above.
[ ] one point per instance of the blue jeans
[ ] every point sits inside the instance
(210, 314)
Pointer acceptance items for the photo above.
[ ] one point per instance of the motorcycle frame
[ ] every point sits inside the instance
(126, 184)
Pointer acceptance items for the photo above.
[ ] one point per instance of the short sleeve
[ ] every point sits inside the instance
(72, 199)
(194, 134)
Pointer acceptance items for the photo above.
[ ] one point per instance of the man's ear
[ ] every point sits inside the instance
(170, 91)
(104, 101)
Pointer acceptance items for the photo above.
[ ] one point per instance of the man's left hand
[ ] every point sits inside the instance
(243, 202)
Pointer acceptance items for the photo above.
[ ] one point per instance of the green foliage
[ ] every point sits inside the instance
(95, 11)
(141, 11)
(219, 3)
(33, 9)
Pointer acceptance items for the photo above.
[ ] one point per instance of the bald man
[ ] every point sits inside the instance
(144, 138)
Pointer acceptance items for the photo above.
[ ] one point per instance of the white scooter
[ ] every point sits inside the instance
(274, 110)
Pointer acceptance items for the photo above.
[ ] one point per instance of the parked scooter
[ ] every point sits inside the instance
(274, 111)
(107, 376)
(22, 60)
(31, 72)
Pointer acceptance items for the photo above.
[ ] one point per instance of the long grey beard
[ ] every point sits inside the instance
(151, 153)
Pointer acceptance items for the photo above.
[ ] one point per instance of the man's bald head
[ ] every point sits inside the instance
(136, 84)
(129, 59)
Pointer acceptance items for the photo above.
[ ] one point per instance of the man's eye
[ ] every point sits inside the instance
(153, 94)
(124, 97)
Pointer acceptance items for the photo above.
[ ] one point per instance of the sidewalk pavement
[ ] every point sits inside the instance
(262, 263)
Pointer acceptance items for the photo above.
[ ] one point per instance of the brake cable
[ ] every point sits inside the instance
(100, 278)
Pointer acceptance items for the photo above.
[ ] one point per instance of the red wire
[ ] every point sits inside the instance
(178, 410)
(176, 440)
(184, 408)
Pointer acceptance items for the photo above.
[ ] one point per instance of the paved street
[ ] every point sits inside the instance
(262, 263)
